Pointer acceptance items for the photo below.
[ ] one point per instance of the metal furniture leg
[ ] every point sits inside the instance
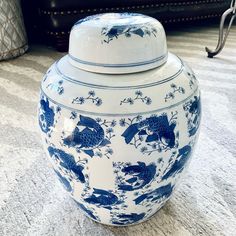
(223, 36)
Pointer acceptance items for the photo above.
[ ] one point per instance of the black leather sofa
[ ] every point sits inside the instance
(53, 19)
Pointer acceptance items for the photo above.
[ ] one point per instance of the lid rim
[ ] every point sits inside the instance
(127, 68)
(137, 86)
(119, 65)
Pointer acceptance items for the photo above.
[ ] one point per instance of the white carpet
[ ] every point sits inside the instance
(32, 201)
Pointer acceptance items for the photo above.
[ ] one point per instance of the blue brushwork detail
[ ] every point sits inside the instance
(102, 198)
(46, 116)
(192, 79)
(193, 114)
(64, 181)
(139, 97)
(154, 196)
(91, 97)
(124, 219)
(88, 211)
(88, 18)
(175, 89)
(56, 87)
(190, 75)
(126, 87)
(155, 128)
(116, 30)
(138, 175)
(67, 162)
(89, 136)
(46, 76)
(99, 16)
(181, 160)
(73, 115)
(88, 133)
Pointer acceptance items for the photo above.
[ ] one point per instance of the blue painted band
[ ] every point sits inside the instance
(120, 114)
(65, 77)
(143, 63)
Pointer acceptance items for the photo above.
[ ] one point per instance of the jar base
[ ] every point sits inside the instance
(132, 224)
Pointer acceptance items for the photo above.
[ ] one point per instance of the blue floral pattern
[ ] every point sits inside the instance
(193, 114)
(91, 97)
(117, 30)
(142, 184)
(190, 75)
(175, 89)
(192, 79)
(57, 87)
(139, 97)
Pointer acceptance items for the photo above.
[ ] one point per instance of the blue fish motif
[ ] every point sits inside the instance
(103, 198)
(195, 110)
(88, 134)
(87, 211)
(64, 181)
(181, 160)
(115, 31)
(141, 176)
(67, 161)
(155, 128)
(123, 219)
(161, 192)
(46, 116)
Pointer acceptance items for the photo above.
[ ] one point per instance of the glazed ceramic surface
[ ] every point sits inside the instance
(119, 142)
(112, 43)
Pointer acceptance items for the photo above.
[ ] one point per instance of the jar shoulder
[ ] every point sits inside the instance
(155, 89)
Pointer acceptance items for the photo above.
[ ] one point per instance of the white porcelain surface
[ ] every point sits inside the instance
(120, 143)
(117, 43)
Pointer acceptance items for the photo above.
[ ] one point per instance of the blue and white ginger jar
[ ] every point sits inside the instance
(119, 117)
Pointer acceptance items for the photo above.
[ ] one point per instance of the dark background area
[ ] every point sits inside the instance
(49, 21)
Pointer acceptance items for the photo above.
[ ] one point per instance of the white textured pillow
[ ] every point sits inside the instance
(13, 39)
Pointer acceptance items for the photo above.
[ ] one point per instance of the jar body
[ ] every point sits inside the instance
(120, 166)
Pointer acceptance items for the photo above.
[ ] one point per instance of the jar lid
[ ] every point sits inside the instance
(117, 43)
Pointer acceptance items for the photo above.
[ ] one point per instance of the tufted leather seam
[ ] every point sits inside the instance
(95, 10)
(181, 19)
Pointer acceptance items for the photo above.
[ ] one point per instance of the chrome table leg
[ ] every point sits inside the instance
(223, 36)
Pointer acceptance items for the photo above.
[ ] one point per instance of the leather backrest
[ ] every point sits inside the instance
(75, 4)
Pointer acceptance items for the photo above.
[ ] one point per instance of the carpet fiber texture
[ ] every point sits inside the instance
(33, 202)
